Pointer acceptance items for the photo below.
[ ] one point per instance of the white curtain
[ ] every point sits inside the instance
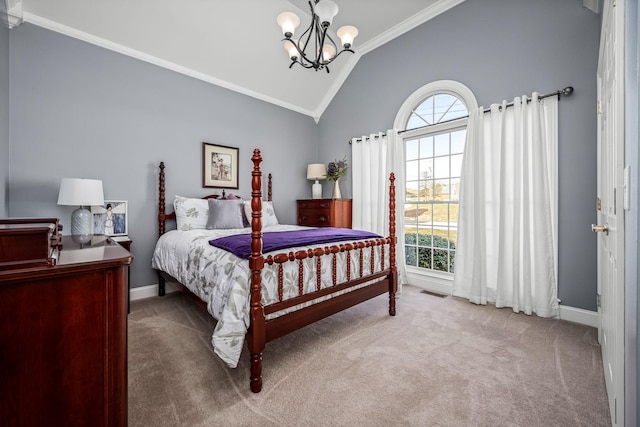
(373, 158)
(507, 235)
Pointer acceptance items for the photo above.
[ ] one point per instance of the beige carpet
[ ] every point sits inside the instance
(439, 362)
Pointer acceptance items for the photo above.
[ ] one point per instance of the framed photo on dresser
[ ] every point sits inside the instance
(110, 219)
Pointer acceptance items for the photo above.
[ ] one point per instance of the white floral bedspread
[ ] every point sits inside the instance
(222, 280)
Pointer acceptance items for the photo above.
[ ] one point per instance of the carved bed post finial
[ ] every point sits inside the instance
(256, 336)
(393, 285)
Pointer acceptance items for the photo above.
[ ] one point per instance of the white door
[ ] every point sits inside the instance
(610, 225)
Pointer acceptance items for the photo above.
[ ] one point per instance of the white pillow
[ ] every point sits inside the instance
(268, 214)
(191, 214)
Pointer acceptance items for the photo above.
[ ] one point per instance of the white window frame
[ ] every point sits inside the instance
(435, 281)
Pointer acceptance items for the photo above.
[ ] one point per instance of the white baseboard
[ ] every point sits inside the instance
(570, 314)
(149, 291)
(579, 315)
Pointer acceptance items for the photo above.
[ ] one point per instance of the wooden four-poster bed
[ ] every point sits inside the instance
(330, 277)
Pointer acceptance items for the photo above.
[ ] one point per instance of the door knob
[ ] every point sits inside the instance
(600, 228)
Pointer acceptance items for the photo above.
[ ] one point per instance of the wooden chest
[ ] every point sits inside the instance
(325, 212)
(28, 242)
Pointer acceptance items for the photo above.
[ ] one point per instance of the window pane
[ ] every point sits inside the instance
(410, 218)
(412, 171)
(411, 149)
(456, 165)
(441, 260)
(426, 168)
(441, 167)
(455, 190)
(435, 109)
(441, 144)
(427, 191)
(424, 257)
(457, 141)
(426, 147)
(411, 192)
(410, 255)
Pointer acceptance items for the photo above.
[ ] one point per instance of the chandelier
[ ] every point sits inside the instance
(315, 48)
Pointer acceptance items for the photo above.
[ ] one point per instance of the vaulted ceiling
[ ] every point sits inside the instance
(235, 44)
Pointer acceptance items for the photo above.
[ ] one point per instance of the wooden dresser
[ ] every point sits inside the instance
(63, 337)
(325, 212)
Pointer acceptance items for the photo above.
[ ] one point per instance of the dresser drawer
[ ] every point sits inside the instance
(324, 213)
(313, 219)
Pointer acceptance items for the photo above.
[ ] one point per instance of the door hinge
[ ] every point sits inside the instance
(598, 107)
(598, 204)
(598, 300)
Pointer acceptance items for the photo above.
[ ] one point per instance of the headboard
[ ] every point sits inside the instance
(163, 216)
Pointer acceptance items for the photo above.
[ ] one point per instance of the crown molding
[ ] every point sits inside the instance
(14, 12)
(116, 47)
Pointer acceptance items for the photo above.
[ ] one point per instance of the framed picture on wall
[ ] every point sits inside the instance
(219, 166)
(110, 219)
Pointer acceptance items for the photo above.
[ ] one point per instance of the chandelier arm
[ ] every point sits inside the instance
(308, 34)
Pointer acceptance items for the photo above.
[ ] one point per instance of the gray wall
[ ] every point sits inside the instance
(4, 112)
(499, 49)
(78, 110)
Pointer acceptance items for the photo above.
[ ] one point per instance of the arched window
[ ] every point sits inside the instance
(434, 124)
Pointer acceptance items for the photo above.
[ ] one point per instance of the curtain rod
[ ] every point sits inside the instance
(566, 92)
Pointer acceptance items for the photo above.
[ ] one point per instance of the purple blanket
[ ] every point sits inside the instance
(240, 244)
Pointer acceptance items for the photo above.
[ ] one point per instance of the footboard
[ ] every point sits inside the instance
(326, 301)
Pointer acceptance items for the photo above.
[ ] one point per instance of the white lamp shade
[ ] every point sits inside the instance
(328, 51)
(317, 171)
(290, 48)
(80, 192)
(326, 10)
(347, 34)
(288, 22)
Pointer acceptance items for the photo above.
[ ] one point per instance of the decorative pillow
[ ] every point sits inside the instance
(225, 214)
(191, 214)
(268, 214)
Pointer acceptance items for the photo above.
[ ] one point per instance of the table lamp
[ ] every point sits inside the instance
(316, 171)
(83, 193)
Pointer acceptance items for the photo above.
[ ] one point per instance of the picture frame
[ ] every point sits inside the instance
(219, 166)
(110, 219)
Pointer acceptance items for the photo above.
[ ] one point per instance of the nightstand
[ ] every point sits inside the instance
(125, 242)
(324, 212)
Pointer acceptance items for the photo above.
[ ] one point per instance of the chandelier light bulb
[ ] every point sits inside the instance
(288, 21)
(291, 49)
(347, 34)
(328, 52)
(326, 10)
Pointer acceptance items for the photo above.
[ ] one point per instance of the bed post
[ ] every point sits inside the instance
(393, 282)
(256, 335)
(269, 189)
(161, 219)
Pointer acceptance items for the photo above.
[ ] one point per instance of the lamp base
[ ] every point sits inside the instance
(316, 190)
(81, 221)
